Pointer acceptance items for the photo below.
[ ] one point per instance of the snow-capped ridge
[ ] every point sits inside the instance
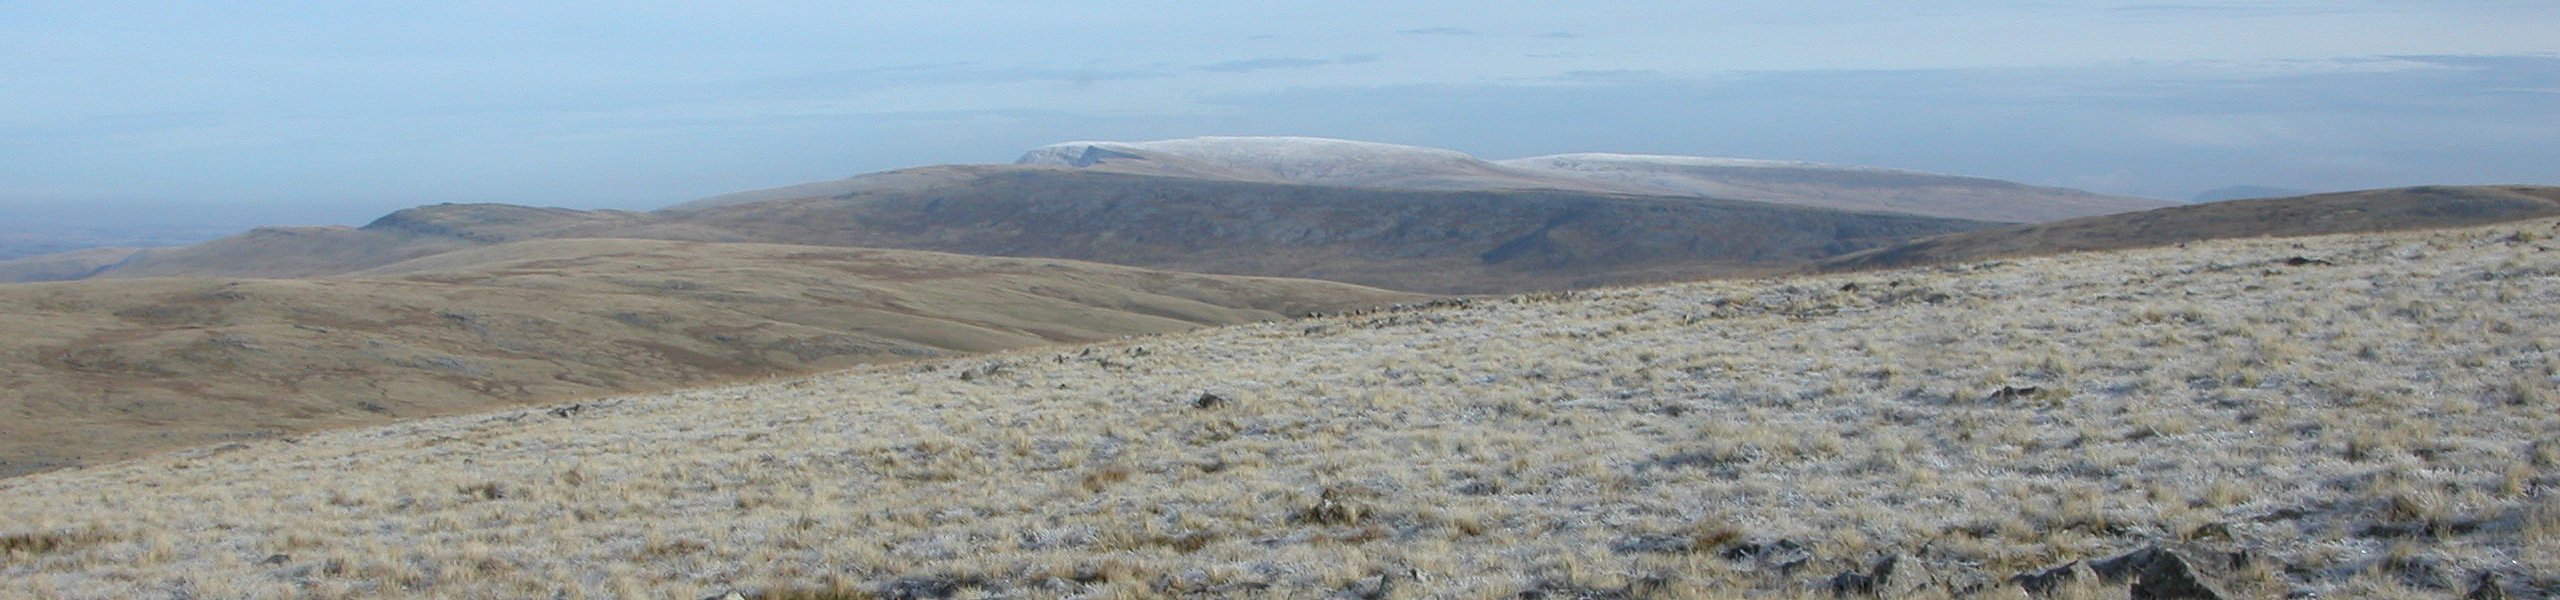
(1580, 161)
(1309, 160)
(1333, 162)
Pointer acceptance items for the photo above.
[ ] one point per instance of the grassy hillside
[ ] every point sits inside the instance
(1436, 242)
(1429, 241)
(100, 370)
(2374, 422)
(77, 264)
(1837, 186)
(2371, 210)
(292, 252)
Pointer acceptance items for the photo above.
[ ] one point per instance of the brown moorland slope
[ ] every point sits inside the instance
(101, 370)
(2375, 424)
(2346, 212)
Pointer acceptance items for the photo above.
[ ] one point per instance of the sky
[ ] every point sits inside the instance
(212, 114)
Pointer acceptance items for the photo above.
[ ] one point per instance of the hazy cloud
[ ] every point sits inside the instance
(1267, 64)
(1264, 64)
(1610, 76)
(341, 114)
(2161, 131)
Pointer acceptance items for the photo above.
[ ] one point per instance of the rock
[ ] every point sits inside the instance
(927, 587)
(1208, 400)
(1654, 544)
(1893, 577)
(2009, 393)
(2121, 567)
(2170, 577)
(276, 559)
(1782, 555)
(2487, 589)
(2173, 572)
(2049, 581)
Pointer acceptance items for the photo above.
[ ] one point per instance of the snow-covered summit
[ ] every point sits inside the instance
(1349, 163)
(1305, 160)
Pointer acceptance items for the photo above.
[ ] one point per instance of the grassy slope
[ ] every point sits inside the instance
(99, 370)
(63, 266)
(2380, 426)
(1439, 242)
(1844, 188)
(1430, 241)
(297, 252)
(2346, 212)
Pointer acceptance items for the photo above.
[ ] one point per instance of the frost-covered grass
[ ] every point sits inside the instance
(2373, 420)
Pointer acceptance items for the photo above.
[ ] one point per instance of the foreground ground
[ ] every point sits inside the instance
(2362, 416)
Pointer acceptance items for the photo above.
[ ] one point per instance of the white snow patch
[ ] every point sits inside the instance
(1604, 161)
(1288, 159)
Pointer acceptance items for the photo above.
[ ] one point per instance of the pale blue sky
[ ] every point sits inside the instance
(339, 111)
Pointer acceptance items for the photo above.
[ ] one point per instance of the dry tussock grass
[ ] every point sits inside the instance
(2370, 427)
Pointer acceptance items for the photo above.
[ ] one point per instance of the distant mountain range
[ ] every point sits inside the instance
(1344, 163)
(2244, 192)
(1377, 214)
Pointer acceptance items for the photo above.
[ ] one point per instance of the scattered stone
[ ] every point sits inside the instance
(1550, 589)
(1382, 585)
(927, 588)
(567, 411)
(1782, 555)
(1208, 400)
(1654, 544)
(1334, 509)
(2012, 393)
(2487, 589)
(1893, 577)
(2216, 530)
